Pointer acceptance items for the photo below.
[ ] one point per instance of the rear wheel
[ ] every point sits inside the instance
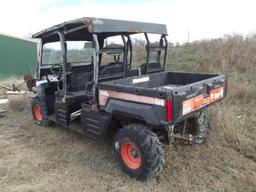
(39, 112)
(199, 126)
(138, 151)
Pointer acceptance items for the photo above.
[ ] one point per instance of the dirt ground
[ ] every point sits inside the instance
(51, 159)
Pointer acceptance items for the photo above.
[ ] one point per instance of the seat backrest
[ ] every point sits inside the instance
(151, 66)
(78, 79)
(112, 68)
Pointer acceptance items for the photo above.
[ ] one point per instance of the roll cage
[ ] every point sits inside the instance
(97, 30)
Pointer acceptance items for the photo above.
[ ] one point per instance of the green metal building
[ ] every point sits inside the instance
(17, 56)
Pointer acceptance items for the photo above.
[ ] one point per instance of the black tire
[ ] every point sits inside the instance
(42, 118)
(149, 150)
(200, 126)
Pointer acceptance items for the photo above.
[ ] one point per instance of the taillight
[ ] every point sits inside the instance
(168, 105)
(226, 87)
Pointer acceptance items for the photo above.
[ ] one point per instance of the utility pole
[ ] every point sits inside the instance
(188, 40)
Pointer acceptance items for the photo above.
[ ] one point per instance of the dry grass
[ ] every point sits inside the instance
(17, 81)
(235, 120)
(231, 53)
(19, 103)
(229, 125)
(55, 159)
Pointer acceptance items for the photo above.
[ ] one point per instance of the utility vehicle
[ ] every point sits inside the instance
(89, 80)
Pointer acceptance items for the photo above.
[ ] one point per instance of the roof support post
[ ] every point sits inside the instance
(166, 49)
(39, 58)
(64, 59)
(95, 65)
(148, 53)
(125, 56)
(129, 48)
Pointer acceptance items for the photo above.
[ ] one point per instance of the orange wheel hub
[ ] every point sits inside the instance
(131, 155)
(37, 112)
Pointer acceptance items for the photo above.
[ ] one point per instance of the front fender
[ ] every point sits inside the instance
(38, 90)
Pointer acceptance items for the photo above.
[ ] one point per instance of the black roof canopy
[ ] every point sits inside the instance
(91, 25)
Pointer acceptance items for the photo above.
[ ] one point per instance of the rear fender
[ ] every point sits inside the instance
(151, 114)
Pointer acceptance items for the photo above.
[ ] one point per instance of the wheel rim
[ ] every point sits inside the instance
(37, 112)
(131, 155)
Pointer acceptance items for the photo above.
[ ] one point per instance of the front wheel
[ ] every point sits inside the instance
(138, 151)
(39, 112)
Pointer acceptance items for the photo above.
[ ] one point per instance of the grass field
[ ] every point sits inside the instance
(35, 158)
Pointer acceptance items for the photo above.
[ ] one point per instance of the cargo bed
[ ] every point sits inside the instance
(188, 92)
(161, 84)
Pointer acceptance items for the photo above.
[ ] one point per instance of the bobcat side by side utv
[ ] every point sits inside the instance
(89, 84)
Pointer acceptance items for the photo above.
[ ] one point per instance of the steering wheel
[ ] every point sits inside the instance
(57, 72)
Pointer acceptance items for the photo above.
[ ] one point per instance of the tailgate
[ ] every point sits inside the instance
(191, 98)
(201, 100)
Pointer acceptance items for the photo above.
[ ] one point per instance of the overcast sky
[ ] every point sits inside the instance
(203, 18)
